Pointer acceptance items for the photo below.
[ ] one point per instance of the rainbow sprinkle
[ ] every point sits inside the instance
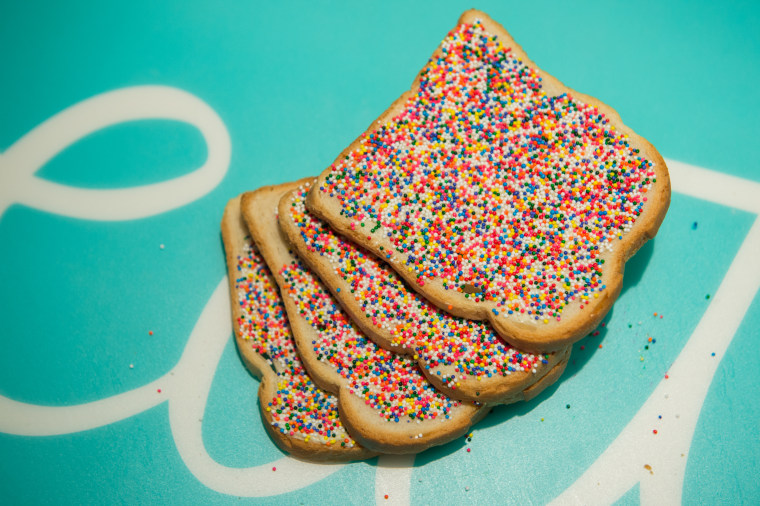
(299, 408)
(390, 383)
(471, 347)
(485, 182)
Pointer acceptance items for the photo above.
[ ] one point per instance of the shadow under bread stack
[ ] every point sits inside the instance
(446, 261)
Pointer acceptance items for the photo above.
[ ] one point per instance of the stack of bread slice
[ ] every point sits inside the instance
(446, 261)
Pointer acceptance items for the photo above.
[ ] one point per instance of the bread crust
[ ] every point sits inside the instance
(362, 422)
(496, 389)
(234, 235)
(523, 335)
(366, 436)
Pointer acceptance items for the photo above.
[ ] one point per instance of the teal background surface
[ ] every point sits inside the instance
(294, 83)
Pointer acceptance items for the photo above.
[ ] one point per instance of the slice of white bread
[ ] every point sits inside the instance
(499, 193)
(301, 418)
(463, 358)
(385, 401)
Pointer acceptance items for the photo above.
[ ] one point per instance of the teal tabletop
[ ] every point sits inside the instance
(127, 126)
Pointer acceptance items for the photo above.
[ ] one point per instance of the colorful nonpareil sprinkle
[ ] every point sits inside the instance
(504, 193)
(299, 408)
(471, 348)
(391, 384)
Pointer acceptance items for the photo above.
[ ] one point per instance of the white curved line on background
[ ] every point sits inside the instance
(23, 419)
(185, 388)
(712, 186)
(197, 368)
(18, 184)
(187, 385)
(679, 398)
(393, 477)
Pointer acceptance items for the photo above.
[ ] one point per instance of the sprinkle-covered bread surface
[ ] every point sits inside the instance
(301, 417)
(499, 193)
(385, 401)
(464, 358)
